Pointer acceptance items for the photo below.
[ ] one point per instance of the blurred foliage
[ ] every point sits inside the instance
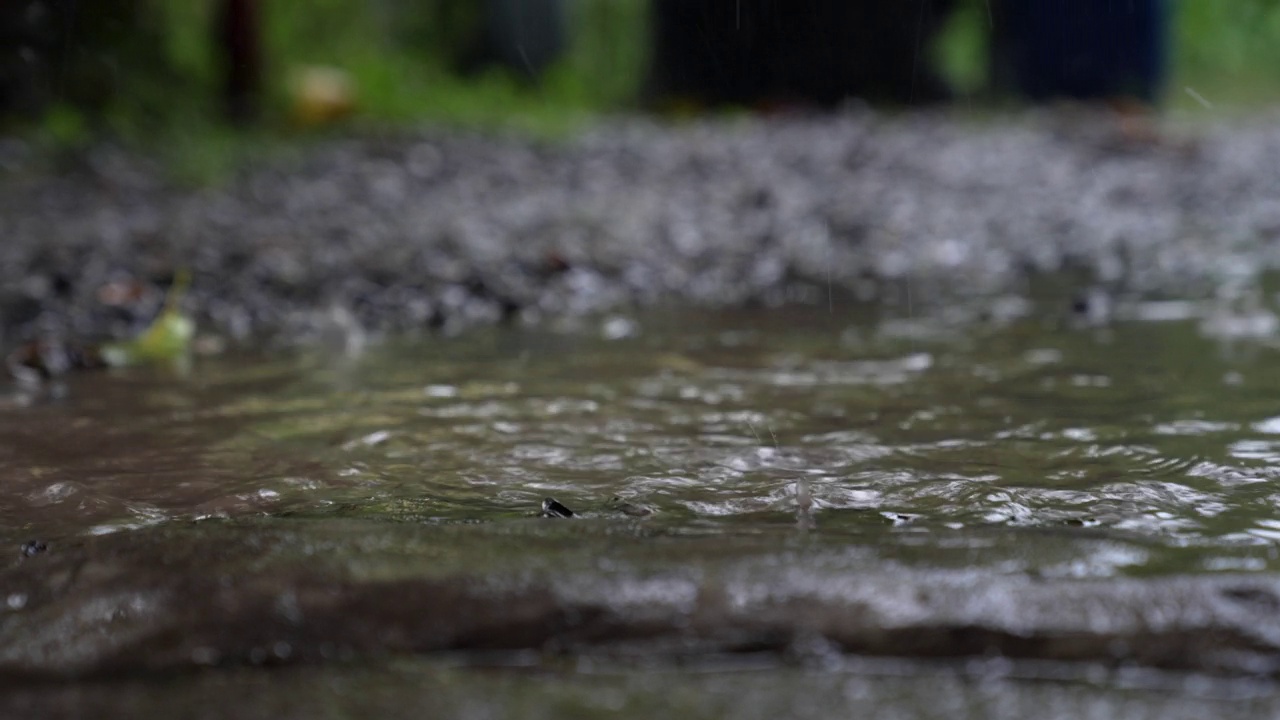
(403, 58)
(148, 71)
(961, 50)
(1227, 51)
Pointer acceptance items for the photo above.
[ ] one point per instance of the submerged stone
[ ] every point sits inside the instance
(552, 508)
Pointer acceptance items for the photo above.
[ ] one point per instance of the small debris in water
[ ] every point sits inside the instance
(1092, 307)
(31, 548)
(374, 438)
(628, 508)
(552, 508)
(898, 518)
(804, 499)
(804, 506)
(1084, 522)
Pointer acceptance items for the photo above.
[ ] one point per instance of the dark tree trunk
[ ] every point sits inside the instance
(241, 53)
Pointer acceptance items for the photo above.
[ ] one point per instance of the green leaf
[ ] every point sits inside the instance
(166, 340)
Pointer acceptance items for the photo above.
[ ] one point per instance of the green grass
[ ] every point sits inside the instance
(1227, 52)
(399, 62)
(403, 83)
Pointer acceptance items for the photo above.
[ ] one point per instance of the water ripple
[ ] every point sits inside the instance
(1022, 428)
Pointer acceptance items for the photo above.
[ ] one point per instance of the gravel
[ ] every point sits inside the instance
(445, 229)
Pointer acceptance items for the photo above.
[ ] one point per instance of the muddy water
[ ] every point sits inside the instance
(995, 507)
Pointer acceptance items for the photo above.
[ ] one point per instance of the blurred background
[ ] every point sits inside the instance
(192, 79)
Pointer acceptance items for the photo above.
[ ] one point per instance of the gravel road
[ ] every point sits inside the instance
(441, 228)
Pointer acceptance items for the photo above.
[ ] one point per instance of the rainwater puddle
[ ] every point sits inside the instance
(798, 448)
(1147, 434)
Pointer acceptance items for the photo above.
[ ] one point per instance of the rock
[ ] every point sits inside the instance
(175, 598)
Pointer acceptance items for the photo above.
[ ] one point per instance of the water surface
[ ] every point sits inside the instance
(1159, 433)
(1003, 439)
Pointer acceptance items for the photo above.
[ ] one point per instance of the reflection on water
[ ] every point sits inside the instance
(1148, 432)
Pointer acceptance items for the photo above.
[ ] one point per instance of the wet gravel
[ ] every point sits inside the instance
(445, 229)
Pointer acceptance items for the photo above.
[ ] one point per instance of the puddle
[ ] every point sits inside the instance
(806, 488)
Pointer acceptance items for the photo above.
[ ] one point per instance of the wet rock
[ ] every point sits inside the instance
(178, 598)
(551, 508)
